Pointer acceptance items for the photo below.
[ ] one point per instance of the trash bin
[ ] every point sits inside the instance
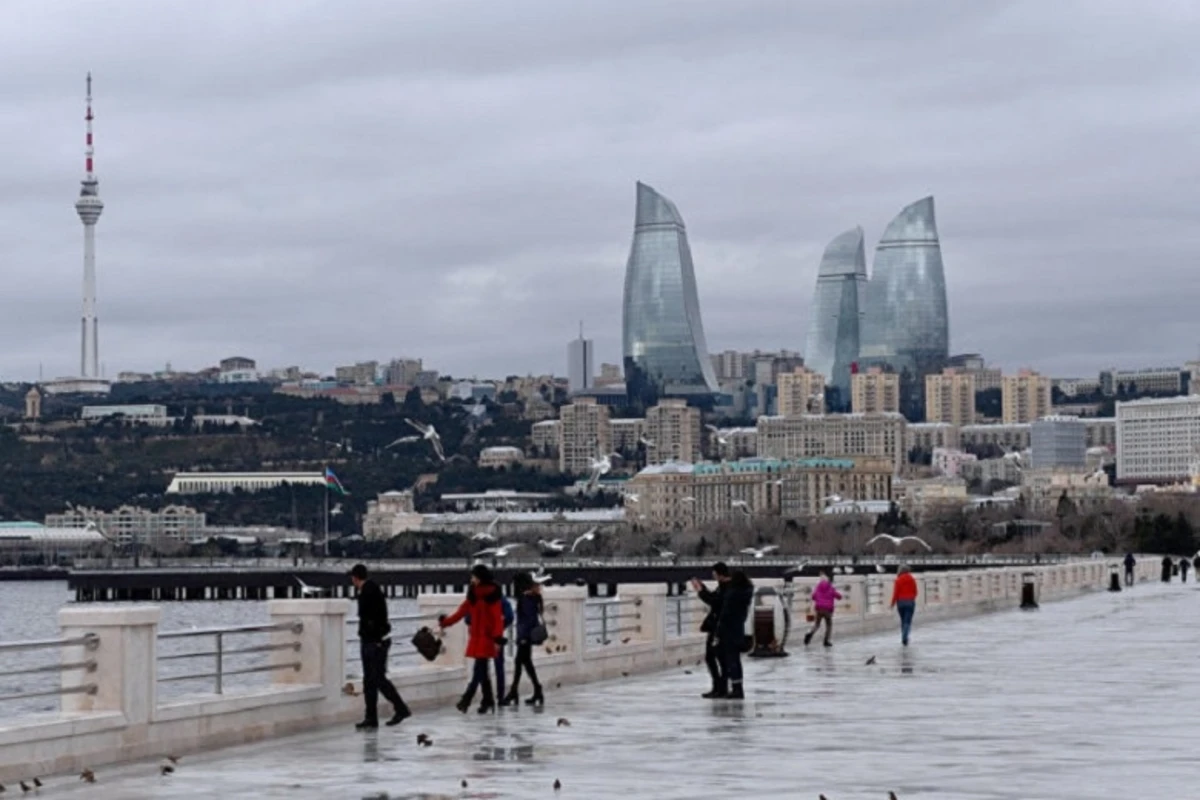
(1114, 578)
(770, 621)
(1028, 592)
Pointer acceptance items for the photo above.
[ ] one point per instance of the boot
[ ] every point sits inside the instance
(402, 713)
(367, 725)
(807, 638)
(511, 699)
(488, 702)
(464, 702)
(718, 691)
(736, 693)
(537, 699)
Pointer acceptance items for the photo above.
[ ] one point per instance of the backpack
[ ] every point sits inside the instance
(507, 609)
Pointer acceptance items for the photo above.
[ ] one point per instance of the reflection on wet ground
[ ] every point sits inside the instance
(1090, 698)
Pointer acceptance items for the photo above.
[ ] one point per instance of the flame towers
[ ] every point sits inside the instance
(833, 333)
(664, 348)
(89, 206)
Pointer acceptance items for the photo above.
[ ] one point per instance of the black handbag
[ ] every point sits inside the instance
(427, 644)
(538, 634)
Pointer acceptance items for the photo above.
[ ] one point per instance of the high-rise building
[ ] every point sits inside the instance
(404, 372)
(1058, 442)
(1158, 440)
(89, 207)
(664, 347)
(610, 375)
(364, 373)
(837, 304)
(583, 435)
(800, 391)
(1024, 397)
(906, 321)
(874, 392)
(834, 435)
(950, 397)
(973, 364)
(581, 367)
(672, 432)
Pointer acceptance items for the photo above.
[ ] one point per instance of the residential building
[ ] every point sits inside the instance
(1148, 381)
(906, 326)
(1101, 432)
(1007, 469)
(545, 436)
(672, 432)
(500, 456)
(391, 514)
(1043, 489)
(1158, 439)
(1024, 397)
(1059, 443)
(730, 444)
(473, 392)
(364, 373)
(927, 436)
(811, 485)
(1076, 387)
(833, 436)
(213, 482)
(237, 370)
(949, 463)
(800, 391)
(1005, 437)
(926, 497)
(33, 404)
(627, 434)
(581, 365)
(950, 397)
(584, 435)
(875, 392)
(733, 365)
(664, 346)
(150, 414)
(405, 372)
(833, 333)
(172, 526)
(531, 524)
(610, 375)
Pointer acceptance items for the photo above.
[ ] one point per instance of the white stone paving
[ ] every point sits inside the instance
(1090, 698)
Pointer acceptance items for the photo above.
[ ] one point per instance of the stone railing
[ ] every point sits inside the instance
(112, 711)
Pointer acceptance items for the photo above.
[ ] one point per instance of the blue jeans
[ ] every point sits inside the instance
(905, 608)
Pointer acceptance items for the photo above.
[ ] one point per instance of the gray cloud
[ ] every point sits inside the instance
(319, 182)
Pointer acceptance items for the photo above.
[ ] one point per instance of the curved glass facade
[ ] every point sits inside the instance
(833, 330)
(906, 323)
(664, 348)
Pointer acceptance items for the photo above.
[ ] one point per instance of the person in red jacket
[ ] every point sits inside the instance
(904, 600)
(485, 634)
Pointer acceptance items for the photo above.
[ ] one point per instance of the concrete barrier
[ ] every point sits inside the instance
(122, 719)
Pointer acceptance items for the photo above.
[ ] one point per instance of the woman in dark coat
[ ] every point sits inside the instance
(529, 616)
(485, 634)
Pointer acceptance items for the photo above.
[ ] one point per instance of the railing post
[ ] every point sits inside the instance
(566, 619)
(220, 663)
(322, 654)
(652, 611)
(126, 661)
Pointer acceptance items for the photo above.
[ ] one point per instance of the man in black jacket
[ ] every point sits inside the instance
(731, 630)
(374, 640)
(713, 600)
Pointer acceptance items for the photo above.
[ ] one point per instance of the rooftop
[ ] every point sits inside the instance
(1010, 706)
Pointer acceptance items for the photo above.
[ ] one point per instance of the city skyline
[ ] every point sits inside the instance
(275, 206)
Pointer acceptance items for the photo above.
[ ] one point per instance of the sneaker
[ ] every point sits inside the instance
(367, 725)
(807, 639)
(402, 713)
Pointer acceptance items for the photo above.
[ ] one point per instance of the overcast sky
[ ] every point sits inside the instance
(316, 183)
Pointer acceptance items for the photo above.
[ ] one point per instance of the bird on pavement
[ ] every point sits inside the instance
(899, 540)
(870, 661)
(166, 769)
(557, 784)
(25, 787)
(87, 775)
(563, 722)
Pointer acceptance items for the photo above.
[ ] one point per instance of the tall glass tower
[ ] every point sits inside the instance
(664, 348)
(906, 326)
(833, 331)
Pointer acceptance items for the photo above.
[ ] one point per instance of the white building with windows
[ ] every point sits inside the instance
(1158, 439)
(211, 482)
(129, 524)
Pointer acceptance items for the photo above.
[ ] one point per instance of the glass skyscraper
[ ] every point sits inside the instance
(833, 331)
(906, 323)
(664, 348)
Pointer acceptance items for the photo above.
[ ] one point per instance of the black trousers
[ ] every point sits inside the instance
(730, 651)
(375, 679)
(712, 659)
(524, 662)
(480, 678)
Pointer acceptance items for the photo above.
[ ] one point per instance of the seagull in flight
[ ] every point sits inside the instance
(899, 540)
(541, 576)
(587, 536)
(600, 466)
(336, 511)
(716, 432)
(742, 506)
(664, 553)
(429, 434)
(308, 591)
(648, 442)
(488, 535)
(403, 440)
(632, 497)
(795, 569)
(553, 546)
(759, 552)
(502, 551)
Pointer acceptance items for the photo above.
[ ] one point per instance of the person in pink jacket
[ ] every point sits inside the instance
(824, 597)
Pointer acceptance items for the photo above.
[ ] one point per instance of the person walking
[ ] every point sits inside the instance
(1130, 563)
(1184, 565)
(824, 597)
(529, 616)
(374, 641)
(904, 600)
(485, 634)
(1168, 564)
(731, 633)
(713, 599)
(506, 612)
(1196, 565)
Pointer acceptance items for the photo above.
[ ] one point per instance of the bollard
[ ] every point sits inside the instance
(1028, 592)
(1114, 579)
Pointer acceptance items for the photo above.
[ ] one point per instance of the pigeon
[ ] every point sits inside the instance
(624, 674)
(625, 640)
(563, 722)
(892, 796)
(348, 689)
(870, 661)
(423, 740)
(37, 783)
(166, 769)
(464, 783)
(87, 775)
(558, 785)
(25, 787)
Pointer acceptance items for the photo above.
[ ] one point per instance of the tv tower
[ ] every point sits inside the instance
(88, 206)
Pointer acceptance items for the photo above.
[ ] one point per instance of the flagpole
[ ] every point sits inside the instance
(327, 520)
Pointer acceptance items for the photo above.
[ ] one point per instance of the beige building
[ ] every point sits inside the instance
(731, 444)
(583, 435)
(1006, 437)
(610, 375)
(809, 485)
(833, 436)
(800, 391)
(33, 404)
(1025, 397)
(875, 392)
(1043, 489)
(929, 436)
(1101, 432)
(672, 432)
(626, 434)
(500, 456)
(950, 397)
(155, 530)
(545, 436)
(361, 374)
(390, 514)
(919, 498)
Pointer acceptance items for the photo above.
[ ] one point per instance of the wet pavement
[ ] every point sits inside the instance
(1090, 698)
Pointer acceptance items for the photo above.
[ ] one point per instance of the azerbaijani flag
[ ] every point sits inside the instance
(332, 483)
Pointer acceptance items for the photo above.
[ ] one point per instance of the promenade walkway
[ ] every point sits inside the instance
(1090, 698)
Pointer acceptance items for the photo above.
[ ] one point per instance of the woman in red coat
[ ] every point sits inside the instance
(485, 634)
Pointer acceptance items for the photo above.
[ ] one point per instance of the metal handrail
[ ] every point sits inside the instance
(89, 640)
(90, 666)
(399, 618)
(85, 688)
(294, 626)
